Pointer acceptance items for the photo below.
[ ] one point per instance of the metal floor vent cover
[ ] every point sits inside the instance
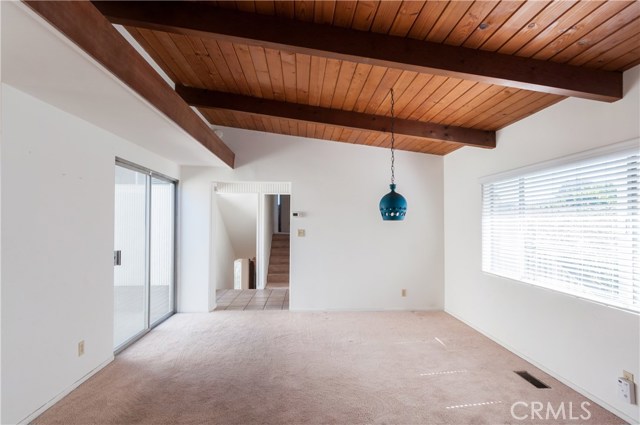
(531, 379)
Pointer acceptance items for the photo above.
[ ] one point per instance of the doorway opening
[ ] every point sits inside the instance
(251, 231)
(279, 255)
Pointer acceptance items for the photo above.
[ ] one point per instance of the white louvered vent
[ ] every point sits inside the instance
(282, 188)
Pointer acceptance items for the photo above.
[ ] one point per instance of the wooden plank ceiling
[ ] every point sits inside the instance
(587, 34)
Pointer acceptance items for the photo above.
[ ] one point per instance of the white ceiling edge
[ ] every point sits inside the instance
(37, 59)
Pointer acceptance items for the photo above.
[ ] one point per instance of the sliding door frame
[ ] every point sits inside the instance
(150, 174)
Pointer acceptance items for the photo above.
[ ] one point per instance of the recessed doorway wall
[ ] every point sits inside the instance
(282, 213)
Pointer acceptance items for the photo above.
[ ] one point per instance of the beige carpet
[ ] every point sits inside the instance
(277, 367)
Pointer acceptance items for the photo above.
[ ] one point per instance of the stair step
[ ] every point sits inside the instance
(279, 260)
(278, 267)
(278, 278)
(278, 273)
(280, 244)
(285, 249)
(279, 252)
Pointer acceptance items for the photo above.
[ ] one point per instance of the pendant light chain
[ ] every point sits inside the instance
(393, 156)
(393, 206)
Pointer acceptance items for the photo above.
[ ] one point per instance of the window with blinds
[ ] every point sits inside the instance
(572, 226)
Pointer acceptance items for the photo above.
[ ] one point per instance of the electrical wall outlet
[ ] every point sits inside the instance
(81, 348)
(302, 233)
(627, 375)
(627, 390)
(404, 292)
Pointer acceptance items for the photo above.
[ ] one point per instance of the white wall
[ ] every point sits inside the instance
(350, 259)
(585, 344)
(57, 248)
(268, 208)
(222, 254)
(240, 215)
(197, 281)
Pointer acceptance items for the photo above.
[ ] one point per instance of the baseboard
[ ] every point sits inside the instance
(553, 373)
(64, 393)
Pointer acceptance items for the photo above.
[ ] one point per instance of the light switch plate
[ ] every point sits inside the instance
(301, 233)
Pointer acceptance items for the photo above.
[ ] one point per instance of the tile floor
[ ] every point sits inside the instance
(253, 299)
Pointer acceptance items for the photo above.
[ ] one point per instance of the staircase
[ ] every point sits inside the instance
(278, 275)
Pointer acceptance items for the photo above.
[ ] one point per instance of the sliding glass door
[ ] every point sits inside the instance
(144, 251)
(130, 275)
(162, 242)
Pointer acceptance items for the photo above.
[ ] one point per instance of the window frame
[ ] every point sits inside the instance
(544, 167)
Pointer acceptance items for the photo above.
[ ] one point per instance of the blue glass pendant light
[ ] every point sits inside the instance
(393, 206)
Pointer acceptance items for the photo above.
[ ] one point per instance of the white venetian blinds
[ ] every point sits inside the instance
(573, 227)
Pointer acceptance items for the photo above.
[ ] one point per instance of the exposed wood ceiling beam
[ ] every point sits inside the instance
(83, 24)
(209, 99)
(202, 20)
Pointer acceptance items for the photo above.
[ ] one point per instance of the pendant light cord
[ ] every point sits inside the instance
(393, 139)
